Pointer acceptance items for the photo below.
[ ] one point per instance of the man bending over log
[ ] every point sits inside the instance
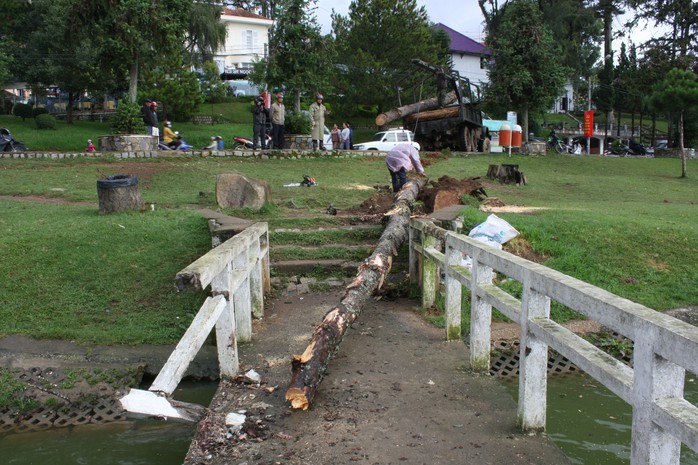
(401, 159)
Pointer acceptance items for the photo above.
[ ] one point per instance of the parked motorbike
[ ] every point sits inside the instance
(636, 148)
(9, 143)
(244, 142)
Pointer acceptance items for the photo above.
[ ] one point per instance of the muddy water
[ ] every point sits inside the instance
(138, 442)
(590, 424)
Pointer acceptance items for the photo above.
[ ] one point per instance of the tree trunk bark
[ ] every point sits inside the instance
(405, 110)
(133, 82)
(684, 170)
(309, 368)
(441, 113)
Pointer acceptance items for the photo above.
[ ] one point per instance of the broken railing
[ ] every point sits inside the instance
(237, 272)
(664, 347)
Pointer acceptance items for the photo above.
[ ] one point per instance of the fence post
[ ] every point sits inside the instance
(256, 279)
(454, 292)
(480, 317)
(414, 257)
(429, 273)
(654, 377)
(241, 299)
(226, 339)
(533, 362)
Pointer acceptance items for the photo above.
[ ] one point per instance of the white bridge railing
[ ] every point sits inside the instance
(237, 272)
(664, 347)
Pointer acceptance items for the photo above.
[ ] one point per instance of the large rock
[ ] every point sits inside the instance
(234, 190)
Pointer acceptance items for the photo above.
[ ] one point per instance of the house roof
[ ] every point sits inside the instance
(463, 44)
(242, 13)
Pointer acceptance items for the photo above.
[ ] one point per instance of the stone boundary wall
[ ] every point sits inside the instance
(241, 153)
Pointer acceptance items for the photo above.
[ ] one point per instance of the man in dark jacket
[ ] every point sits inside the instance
(259, 123)
(148, 116)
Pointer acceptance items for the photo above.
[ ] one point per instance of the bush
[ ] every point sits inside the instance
(39, 111)
(128, 119)
(45, 121)
(297, 123)
(23, 110)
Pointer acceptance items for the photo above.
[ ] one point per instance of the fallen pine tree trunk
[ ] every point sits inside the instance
(441, 113)
(406, 110)
(308, 369)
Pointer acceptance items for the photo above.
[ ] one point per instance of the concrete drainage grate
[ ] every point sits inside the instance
(103, 410)
(505, 362)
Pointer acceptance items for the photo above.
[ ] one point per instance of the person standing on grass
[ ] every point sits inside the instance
(317, 121)
(277, 114)
(259, 122)
(336, 137)
(147, 113)
(401, 159)
(346, 136)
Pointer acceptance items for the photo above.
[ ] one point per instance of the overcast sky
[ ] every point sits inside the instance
(463, 16)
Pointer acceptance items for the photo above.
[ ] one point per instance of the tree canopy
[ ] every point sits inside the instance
(678, 91)
(376, 43)
(300, 58)
(526, 73)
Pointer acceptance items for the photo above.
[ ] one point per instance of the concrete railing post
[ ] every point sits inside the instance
(242, 299)
(533, 363)
(429, 273)
(654, 377)
(480, 317)
(454, 293)
(226, 339)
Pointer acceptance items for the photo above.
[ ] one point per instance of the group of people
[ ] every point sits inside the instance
(401, 159)
(277, 117)
(341, 138)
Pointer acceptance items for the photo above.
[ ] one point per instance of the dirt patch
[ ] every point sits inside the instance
(447, 191)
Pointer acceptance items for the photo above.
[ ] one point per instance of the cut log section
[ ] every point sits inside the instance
(309, 368)
(441, 113)
(405, 110)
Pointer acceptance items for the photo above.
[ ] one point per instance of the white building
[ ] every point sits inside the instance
(247, 41)
(469, 57)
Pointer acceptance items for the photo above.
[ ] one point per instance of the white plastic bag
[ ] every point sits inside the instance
(494, 231)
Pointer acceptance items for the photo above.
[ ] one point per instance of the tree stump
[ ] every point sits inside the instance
(118, 193)
(508, 174)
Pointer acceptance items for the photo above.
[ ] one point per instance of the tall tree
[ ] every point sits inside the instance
(205, 33)
(525, 74)
(133, 33)
(300, 57)
(682, 18)
(678, 92)
(376, 43)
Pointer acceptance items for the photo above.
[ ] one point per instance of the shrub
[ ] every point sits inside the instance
(45, 121)
(39, 111)
(128, 119)
(297, 123)
(23, 110)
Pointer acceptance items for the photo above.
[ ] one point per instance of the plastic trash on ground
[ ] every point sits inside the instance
(493, 232)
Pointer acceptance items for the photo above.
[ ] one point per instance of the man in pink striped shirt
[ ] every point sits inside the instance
(401, 159)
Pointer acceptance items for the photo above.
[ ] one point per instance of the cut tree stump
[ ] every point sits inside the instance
(309, 368)
(508, 174)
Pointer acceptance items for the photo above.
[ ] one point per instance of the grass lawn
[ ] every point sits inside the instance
(627, 225)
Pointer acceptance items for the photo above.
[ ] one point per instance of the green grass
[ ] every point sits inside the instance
(626, 225)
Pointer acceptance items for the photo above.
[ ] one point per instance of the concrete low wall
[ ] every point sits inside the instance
(127, 143)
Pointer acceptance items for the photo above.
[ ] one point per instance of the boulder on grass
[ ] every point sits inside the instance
(234, 190)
